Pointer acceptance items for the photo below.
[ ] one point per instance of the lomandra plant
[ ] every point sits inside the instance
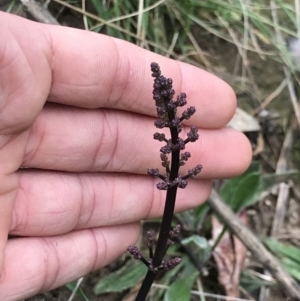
(173, 156)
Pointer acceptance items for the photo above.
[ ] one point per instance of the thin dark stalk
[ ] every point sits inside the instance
(169, 207)
(146, 285)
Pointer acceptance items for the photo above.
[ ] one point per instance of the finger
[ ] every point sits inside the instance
(76, 140)
(25, 73)
(106, 72)
(23, 91)
(92, 200)
(34, 265)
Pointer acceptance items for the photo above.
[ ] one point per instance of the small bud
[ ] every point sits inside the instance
(161, 110)
(162, 185)
(193, 134)
(180, 145)
(180, 182)
(154, 172)
(181, 100)
(188, 113)
(194, 171)
(135, 252)
(150, 239)
(159, 137)
(166, 149)
(155, 70)
(175, 231)
(175, 122)
(160, 123)
(171, 264)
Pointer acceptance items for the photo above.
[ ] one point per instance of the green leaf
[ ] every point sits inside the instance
(283, 250)
(289, 256)
(251, 282)
(230, 187)
(250, 187)
(71, 286)
(124, 278)
(180, 289)
(244, 191)
(199, 246)
(291, 267)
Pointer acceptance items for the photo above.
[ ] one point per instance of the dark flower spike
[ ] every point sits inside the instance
(171, 160)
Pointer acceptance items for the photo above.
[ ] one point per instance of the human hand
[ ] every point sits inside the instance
(76, 109)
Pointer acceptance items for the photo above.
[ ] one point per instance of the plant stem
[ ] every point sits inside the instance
(166, 223)
(146, 285)
(165, 228)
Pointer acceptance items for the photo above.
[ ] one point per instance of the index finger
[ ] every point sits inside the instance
(94, 71)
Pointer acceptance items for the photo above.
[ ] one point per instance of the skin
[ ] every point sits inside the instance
(76, 109)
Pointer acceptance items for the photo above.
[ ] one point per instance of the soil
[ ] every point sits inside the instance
(267, 75)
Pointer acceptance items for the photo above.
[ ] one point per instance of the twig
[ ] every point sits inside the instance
(75, 289)
(293, 95)
(282, 163)
(282, 201)
(254, 245)
(270, 97)
(39, 12)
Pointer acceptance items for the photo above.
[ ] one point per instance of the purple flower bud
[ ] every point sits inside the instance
(175, 231)
(154, 172)
(171, 264)
(188, 113)
(155, 70)
(181, 100)
(166, 149)
(160, 123)
(194, 171)
(135, 252)
(180, 145)
(180, 182)
(150, 239)
(159, 137)
(161, 110)
(185, 156)
(193, 134)
(170, 242)
(162, 185)
(175, 122)
(171, 106)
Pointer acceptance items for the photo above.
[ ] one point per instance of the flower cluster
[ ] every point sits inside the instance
(173, 156)
(166, 108)
(166, 265)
